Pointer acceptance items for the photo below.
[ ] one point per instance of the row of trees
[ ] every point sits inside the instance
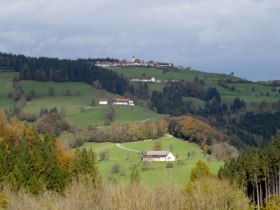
(128, 132)
(36, 162)
(257, 171)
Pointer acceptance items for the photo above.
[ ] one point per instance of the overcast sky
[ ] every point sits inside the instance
(240, 36)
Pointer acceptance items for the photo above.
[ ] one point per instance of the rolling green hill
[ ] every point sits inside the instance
(73, 99)
(248, 91)
(157, 173)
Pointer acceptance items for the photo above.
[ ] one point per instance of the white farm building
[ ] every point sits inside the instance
(103, 101)
(158, 156)
(123, 101)
(143, 79)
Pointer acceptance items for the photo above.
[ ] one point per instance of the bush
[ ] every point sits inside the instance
(115, 168)
(181, 162)
(104, 155)
(29, 117)
(78, 142)
(169, 165)
(146, 165)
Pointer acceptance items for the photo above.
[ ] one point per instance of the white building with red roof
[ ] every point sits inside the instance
(123, 101)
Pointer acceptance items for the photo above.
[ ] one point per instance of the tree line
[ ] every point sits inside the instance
(63, 70)
(126, 133)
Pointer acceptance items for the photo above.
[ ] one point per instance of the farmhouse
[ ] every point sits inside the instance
(123, 101)
(143, 79)
(158, 156)
(103, 101)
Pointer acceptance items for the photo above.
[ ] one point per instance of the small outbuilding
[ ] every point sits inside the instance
(103, 101)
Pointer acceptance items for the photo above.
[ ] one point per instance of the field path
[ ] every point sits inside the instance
(166, 115)
(132, 150)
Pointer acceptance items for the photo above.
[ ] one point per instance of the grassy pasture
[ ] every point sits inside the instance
(81, 94)
(196, 101)
(249, 92)
(187, 75)
(6, 83)
(158, 173)
(128, 114)
(73, 104)
(6, 88)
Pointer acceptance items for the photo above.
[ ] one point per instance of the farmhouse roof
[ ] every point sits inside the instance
(122, 99)
(156, 153)
(103, 99)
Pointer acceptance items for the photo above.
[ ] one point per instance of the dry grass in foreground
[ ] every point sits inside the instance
(206, 194)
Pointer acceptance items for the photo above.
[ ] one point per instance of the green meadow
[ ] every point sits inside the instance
(77, 105)
(157, 173)
(6, 88)
(249, 92)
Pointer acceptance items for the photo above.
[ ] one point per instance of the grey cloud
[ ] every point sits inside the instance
(217, 35)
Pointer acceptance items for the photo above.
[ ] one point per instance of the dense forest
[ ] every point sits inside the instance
(257, 170)
(53, 69)
(38, 163)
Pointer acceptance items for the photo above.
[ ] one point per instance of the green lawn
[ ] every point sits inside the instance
(158, 173)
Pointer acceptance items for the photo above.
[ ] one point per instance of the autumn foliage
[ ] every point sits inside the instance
(128, 132)
(194, 130)
(38, 162)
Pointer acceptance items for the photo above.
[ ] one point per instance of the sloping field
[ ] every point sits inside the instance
(157, 173)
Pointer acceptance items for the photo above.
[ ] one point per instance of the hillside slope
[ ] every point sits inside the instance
(246, 90)
(77, 101)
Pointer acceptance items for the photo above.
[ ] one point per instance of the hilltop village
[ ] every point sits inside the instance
(135, 62)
